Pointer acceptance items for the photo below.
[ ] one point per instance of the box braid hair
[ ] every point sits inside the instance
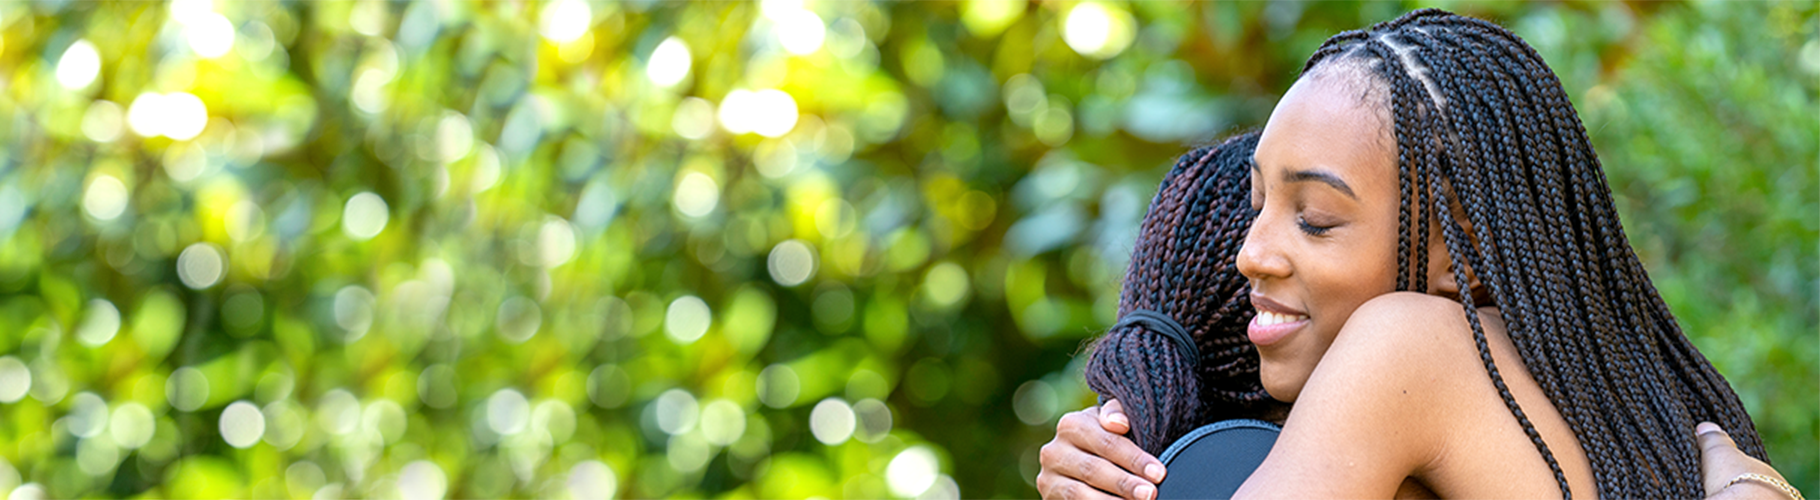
(1484, 129)
(1184, 267)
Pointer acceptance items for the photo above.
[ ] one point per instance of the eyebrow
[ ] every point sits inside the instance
(1320, 176)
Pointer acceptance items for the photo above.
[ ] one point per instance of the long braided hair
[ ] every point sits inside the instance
(1483, 128)
(1184, 267)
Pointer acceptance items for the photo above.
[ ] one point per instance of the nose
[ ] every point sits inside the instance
(1261, 257)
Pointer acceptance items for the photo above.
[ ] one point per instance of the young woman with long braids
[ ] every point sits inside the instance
(1533, 327)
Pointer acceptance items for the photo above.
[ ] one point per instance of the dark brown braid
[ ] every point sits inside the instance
(1185, 266)
(1483, 129)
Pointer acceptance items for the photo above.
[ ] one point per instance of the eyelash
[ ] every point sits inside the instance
(1311, 229)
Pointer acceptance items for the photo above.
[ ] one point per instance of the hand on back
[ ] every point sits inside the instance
(1091, 457)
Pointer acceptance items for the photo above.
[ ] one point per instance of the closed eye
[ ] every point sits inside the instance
(1311, 229)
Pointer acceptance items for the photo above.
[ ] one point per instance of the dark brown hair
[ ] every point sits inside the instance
(1184, 267)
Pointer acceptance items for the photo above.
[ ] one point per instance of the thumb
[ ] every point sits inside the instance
(1113, 419)
(1720, 459)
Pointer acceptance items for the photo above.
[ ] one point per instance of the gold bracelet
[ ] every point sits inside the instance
(1777, 483)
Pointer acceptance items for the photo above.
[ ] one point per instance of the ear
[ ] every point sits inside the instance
(1441, 279)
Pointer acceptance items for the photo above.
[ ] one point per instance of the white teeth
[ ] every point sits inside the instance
(1268, 318)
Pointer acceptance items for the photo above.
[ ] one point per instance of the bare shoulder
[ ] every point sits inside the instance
(1408, 338)
(1417, 352)
(1409, 312)
(1380, 404)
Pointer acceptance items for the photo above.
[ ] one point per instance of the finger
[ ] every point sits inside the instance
(1715, 468)
(1713, 438)
(1054, 486)
(1099, 474)
(1114, 448)
(1112, 417)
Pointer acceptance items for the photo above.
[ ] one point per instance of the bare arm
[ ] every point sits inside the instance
(1364, 421)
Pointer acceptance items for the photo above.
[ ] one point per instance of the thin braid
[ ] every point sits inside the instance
(1184, 266)
(1543, 176)
(1485, 130)
(1500, 145)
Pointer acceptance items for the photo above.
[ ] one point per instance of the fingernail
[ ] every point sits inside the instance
(1155, 472)
(1146, 492)
(1119, 419)
(1708, 427)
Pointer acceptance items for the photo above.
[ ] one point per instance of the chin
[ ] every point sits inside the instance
(1272, 378)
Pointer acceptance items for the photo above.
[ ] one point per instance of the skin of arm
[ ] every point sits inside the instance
(1369, 414)
(1366, 435)
(1403, 393)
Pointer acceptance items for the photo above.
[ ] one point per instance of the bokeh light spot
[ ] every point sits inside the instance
(769, 112)
(437, 387)
(422, 480)
(210, 35)
(592, 480)
(688, 453)
(338, 412)
(945, 284)
(694, 118)
(696, 194)
(564, 21)
(1035, 402)
(79, 66)
(244, 221)
(364, 216)
(508, 412)
(519, 319)
(555, 242)
(778, 386)
(832, 421)
(201, 265)
(912, 471)
(791, 263)
(687, 319)
(187, 389)
(15, 379)
(97, 456)
(87, 415)
(105, 198)
(178, 115)
(800, 32)
(242, 424)
(676, 411)
(986, 18)
(102, 121)
(131, 425)
(353, 308)
(454, 136)
(874, 420)
(99, 324)
(1096, 30)
(669, 62)
(722, 422)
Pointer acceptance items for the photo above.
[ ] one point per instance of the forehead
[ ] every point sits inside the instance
(1327, 121)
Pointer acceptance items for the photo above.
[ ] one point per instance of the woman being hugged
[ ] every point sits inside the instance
(1178, 358)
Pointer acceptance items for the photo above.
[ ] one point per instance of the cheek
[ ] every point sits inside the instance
(1353, 274)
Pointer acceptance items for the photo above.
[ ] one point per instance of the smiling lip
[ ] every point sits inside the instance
(1274, 321)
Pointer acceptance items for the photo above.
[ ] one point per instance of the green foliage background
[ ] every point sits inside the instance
(528, 319)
